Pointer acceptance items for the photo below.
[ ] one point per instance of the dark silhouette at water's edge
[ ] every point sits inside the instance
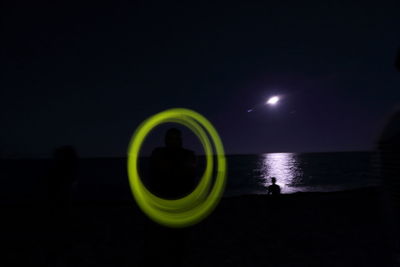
(274, 189)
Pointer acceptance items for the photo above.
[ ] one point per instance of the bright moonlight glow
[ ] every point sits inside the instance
(273, 100)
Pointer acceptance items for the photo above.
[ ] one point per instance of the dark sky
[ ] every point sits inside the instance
(87, 75)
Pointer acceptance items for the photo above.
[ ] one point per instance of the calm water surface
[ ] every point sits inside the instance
(106, 178)
(301, 172)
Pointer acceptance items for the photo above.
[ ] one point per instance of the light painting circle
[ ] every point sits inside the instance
(204, 198)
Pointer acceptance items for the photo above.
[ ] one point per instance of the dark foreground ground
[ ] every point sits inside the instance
(303, 229)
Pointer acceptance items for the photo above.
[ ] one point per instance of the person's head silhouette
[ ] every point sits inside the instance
(173, 138)
(273, 180)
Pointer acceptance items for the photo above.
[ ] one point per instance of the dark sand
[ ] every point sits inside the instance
(303, 229)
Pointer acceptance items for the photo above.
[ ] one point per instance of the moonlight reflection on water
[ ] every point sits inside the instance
(282, 166)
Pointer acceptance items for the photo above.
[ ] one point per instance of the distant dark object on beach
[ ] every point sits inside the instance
(274, 189)
(62, 176)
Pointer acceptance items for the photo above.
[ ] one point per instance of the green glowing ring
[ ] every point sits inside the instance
(198, 204)
(199, 193)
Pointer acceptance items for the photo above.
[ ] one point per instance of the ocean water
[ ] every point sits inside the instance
(307, 172)
(105, 179)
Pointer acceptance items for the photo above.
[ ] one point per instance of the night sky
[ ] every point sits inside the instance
(87, 75)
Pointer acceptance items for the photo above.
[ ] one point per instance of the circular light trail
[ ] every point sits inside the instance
(204, 198)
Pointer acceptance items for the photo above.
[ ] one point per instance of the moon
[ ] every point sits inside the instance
(273, 100)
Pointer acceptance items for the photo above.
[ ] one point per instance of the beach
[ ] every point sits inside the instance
(346, 228)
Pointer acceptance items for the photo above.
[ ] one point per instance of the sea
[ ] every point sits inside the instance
(105, 179)
(302, 172)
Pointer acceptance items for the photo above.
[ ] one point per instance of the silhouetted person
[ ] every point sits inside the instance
(172, 168)
(172, 176)
(389, 156)
(58, 202)
(274, 189)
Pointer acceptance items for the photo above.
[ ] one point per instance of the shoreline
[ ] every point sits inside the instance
(346, 228)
